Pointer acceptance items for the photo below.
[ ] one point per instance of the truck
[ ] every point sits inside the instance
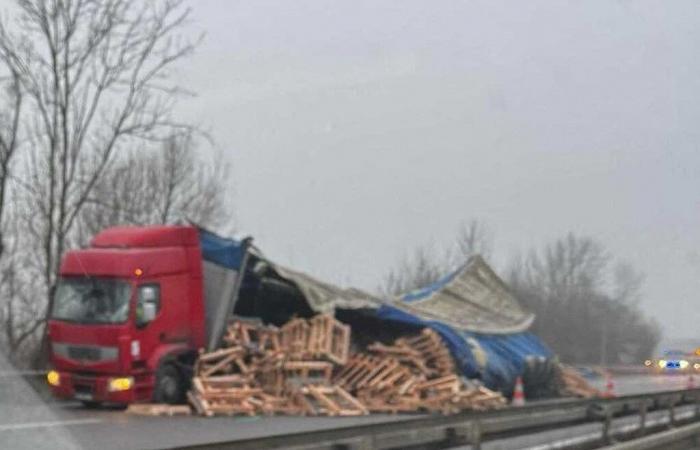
(130, 312)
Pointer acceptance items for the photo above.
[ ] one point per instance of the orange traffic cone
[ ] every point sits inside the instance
(691, 382)
(609, 386)
(518, 393)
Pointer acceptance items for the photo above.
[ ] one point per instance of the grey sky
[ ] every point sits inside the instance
(359, 129)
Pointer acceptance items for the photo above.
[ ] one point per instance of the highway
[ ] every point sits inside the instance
(27, 421)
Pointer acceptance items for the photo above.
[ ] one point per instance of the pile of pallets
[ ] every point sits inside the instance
(415, 373)
(266, 370)
(304, 368)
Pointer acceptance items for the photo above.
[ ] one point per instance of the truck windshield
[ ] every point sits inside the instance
(92, 300)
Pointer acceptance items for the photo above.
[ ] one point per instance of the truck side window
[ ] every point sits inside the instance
(148, 303)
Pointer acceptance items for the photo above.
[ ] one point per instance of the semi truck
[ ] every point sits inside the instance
(131, 311)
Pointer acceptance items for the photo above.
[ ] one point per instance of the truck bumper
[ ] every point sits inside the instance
(95, 388)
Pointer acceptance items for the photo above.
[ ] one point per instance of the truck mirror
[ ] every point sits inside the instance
(148, 304)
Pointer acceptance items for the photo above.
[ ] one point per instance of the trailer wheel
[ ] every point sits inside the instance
(169, 387)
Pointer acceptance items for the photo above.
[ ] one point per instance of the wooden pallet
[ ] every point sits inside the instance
(294, 338)
(255, 338)
(158, 409)
(330, 401)
(329, 339)
(304, 368)
(222, 361)
(575, 385)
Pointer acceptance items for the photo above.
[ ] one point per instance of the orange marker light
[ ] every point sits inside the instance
(138, 272)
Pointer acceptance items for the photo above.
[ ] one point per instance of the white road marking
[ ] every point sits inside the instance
(57, 423)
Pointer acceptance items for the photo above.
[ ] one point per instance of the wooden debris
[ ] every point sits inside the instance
(414, 373)
(575, 385)
(304, 368)
(329, 339)
(294, 337)
(330, 401)
(158, 409)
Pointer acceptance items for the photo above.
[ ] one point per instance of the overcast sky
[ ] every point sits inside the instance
(360, 129)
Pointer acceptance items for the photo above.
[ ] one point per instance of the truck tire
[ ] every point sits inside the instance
(91, 404)
(169, 387)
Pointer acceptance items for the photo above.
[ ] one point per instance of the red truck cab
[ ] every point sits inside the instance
(128, 316)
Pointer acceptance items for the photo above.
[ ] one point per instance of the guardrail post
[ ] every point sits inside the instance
(607, 423)
(672, 412)
(475, 435)
(642, 417)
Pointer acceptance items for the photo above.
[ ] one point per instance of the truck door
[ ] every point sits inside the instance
(148, 322)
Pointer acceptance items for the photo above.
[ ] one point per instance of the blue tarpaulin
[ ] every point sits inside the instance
(222, 251)
(496, 359)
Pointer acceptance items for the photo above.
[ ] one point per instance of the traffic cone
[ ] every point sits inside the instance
(518, 393)
(691, 382)
(609, 385)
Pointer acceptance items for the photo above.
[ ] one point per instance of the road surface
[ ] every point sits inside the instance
(28, 422)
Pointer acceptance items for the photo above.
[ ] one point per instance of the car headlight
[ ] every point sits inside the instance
(662, 363)
(53, 378)
(683, 363)
(120, 384)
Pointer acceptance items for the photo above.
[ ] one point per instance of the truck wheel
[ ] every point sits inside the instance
(91, 404)
(169, 386)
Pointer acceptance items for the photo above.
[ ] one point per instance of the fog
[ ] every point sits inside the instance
(358, 130)
(361, 129)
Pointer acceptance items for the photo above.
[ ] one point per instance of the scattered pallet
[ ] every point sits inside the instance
(304, 368)
(329, 401)
(158, 409)
(573, 384)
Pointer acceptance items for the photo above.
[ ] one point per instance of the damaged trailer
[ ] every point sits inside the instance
(472, 309)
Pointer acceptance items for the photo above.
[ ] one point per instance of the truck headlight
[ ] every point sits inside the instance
(53, 378)
(120, 384)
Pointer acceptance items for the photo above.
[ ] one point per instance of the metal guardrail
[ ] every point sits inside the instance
(474, 428)
(663, 440)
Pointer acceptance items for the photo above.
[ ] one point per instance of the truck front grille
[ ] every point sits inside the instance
(83, 389)
(91, 353)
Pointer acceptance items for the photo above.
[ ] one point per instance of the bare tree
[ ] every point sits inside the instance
(474, 238)
(9, 141)
(427, 265)
(159, 187)
(420, 269)
(21, 315)
(568, 265)
(628, 283)
(580, 313)
(94, 79)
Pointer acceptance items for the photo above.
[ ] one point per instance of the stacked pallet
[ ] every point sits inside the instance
(304, 368)
(266, 370)
(415, 373)
(573, 384)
